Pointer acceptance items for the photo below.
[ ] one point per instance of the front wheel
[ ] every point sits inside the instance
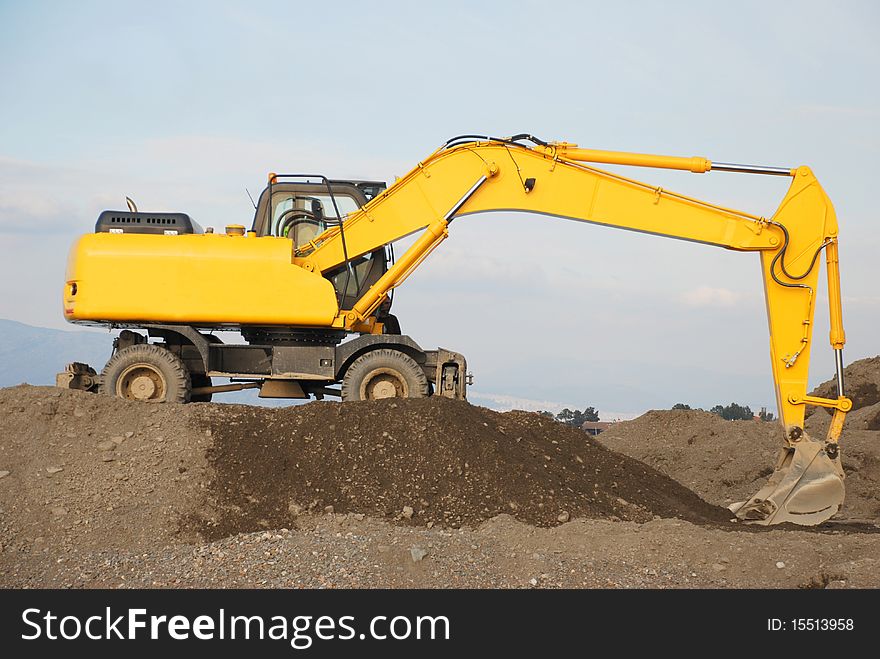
(148, 373)
(384, 373)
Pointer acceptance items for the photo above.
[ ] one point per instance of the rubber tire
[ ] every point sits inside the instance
(200, 380)
(402, 364)
(172, 368)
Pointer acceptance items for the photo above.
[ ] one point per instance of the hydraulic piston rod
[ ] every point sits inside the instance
(751, 169)
(695, 164)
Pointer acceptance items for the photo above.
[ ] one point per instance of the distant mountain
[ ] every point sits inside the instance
(35, 354)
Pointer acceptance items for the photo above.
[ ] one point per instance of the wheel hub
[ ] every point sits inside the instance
(383, 383)
(143, 388)
(141, 382)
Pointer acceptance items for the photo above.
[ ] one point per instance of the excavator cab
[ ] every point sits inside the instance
(302, 210)
(322, 204)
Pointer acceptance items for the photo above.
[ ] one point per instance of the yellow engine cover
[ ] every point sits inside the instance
(198, 279)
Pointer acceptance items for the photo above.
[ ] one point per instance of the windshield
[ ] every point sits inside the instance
(303, 216)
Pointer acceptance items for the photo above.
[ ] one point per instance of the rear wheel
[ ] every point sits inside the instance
(147, 373)
(384, 373)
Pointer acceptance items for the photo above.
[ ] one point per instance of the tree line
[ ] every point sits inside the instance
(732, 412)
(574, 418)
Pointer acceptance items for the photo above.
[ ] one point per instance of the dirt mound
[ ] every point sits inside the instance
(87, 471)
(861, 380)
(425, 461)
(98, 492)
(728, 461)
(720, 460)
(83, 470)
(866, 418)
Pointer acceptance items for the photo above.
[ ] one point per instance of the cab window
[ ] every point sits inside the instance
(304, 216)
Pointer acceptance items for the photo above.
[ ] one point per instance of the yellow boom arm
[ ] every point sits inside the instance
(486, 175)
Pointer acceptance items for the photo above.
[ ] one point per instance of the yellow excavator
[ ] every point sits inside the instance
(317, 268)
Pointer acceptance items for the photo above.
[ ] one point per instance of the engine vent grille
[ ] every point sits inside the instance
(159, 223)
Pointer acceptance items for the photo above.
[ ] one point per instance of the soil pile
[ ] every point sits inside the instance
(79, 470)
(98, 492)
(728, 461)
(86, 471)
(425, 461)
(722, 461)
(861, 380)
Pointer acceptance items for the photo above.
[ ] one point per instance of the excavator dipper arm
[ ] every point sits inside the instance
(471, 176)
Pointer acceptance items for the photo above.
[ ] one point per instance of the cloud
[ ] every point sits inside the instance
(200, 174)
(706, 296)
(505, 402)
(28, 211)
(36, 198)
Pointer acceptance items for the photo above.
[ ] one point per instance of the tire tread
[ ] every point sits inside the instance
(176, 374)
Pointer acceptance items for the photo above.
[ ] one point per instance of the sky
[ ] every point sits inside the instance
(183, 105)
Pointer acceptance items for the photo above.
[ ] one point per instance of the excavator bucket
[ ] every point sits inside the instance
(806, 488)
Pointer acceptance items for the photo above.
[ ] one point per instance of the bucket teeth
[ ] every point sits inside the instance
(806, 488)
